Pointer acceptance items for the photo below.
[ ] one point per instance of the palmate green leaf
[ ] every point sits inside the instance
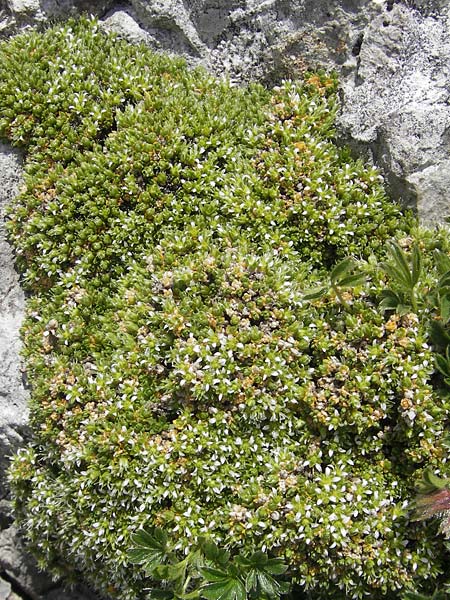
(437, 595)
(352, 280)
(443, 364)
(258, 560)
(442, 261)
(150, 549)
(398, 276)
(177, 572)
(152, 540)
(444, 304)
(439, 334)
(403, 309)
(276, 566)
(227, 589)
(259, 583)
(213, 553)
(431, 483)
(155, 594)
(444, 281)
(390, 300)
(211, 574)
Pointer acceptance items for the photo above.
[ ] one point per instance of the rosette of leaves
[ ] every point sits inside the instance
(207, 571)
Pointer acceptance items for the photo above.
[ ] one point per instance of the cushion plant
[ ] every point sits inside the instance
(168, 230)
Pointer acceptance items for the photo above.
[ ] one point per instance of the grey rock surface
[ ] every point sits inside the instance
(16, 15)
(30, 583)
(13, 395)
(5, 589)
(396, 106)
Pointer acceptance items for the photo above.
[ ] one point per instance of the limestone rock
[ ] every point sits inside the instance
(5, 590)
(170, 23)
(16, 15)
(32, 583)
(396, 106)
(122, 20)
(13, 395)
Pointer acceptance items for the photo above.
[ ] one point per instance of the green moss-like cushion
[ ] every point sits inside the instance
(168, 227)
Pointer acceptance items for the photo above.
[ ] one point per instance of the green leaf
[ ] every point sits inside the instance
(397, 276)
(439, 334)
(390, 300)
(352, 280)
(431, 483)
(444, 280)
(341, 269)
(177, 571)
(276, 566)
(261, 583)
(403, 309)
(213, 553)
(437, 595)
(211, 574)
(259, 580)
(444, 304)
(442, 365)
(442, 261)
(161, 572)
(150, 549)
(227, 589)
(155, 594)
(416, 264)
(401, 265)
(315, 293)
(156, 539)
